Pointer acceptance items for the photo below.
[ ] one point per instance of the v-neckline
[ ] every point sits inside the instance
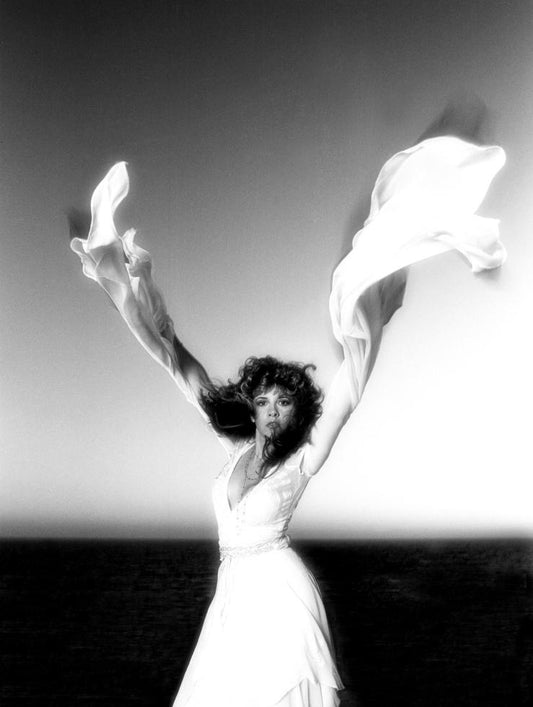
(229, 476)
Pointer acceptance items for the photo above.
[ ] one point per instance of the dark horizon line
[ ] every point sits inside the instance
(47, 532)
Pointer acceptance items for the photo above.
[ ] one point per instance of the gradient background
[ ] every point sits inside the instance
(254, 132)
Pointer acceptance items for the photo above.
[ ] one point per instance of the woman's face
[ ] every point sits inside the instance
(273, 411)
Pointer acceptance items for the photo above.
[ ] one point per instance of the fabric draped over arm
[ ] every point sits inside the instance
(423, 204)
(124, 270)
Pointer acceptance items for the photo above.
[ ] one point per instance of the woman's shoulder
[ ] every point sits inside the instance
(295, 461)
(235, 448)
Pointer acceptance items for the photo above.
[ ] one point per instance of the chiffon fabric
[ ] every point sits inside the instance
(424, 203)
(265, 640)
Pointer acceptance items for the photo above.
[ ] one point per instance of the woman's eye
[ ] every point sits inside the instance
(285, 401)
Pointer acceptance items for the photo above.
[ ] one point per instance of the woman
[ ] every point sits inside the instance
(265, 640)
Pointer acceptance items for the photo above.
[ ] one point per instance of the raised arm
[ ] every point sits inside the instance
(124, 270)
(375, 307)
(423, 204)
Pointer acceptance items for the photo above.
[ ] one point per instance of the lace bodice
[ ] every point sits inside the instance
(262, 516)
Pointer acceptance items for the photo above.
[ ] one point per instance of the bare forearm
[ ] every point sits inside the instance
(190, 369)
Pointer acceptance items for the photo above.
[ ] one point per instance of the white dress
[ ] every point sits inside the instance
(265, 641)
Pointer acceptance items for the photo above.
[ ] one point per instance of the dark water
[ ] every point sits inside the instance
(112, 623)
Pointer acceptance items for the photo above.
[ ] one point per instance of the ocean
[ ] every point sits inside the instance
(415, 624)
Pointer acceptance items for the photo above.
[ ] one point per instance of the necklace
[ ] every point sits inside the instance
(246, 477)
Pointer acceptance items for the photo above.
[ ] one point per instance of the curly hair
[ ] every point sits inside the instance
(229, 407)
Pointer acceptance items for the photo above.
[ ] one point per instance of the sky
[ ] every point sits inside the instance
(253, 133)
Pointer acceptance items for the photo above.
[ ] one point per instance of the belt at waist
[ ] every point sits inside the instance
(246, 550)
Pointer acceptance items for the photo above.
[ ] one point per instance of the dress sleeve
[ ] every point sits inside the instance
(124, 271)
(423, 204)
(295, 461)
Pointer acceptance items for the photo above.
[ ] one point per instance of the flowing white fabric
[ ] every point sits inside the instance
(265, 640)
(124, 270)
(423, 204)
